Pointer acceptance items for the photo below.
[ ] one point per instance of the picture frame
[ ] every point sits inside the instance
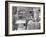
(30, 18)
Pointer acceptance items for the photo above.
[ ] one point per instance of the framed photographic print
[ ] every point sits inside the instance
(24, 18)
